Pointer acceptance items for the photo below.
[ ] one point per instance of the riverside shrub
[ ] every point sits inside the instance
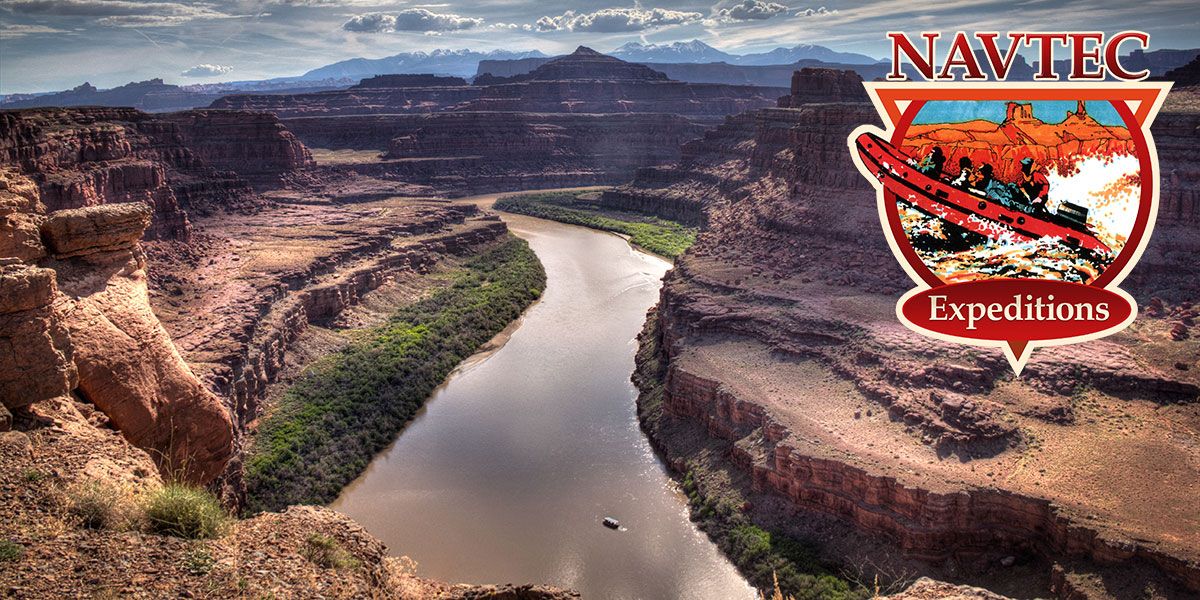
(660, 236)
(348, 406)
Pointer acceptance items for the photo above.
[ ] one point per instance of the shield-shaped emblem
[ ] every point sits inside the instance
(1017, 209)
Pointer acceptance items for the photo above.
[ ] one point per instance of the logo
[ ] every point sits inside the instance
(1016, 208)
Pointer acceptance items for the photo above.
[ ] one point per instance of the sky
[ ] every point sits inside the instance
(58, 44)
(1049, 111)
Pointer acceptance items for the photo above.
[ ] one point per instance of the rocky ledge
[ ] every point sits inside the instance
(779, 340)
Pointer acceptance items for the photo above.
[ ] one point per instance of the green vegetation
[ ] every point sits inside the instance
(325, 552)
(185, 511)
(785, 567)
(348, 406)
(10, 551)
(199, 560)
(33, 476)
(660, 236)
(763, 556)
(94, 505)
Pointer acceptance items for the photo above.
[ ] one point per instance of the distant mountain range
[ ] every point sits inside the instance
(694, 62)
(460, 63)
(697, 51)
(153, 95)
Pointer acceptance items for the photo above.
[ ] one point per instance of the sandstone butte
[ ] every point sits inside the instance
(1021, 135)
(161, 272)
(785, 372)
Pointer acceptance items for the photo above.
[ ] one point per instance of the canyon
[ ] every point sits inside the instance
(781, 365)
(157, 273)
(581, 119)
(164, 275)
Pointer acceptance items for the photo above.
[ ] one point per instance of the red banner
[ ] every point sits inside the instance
(1016, 310)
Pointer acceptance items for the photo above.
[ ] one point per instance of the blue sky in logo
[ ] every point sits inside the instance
(1049, 111)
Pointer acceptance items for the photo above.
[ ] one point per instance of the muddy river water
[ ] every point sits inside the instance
(506, 474)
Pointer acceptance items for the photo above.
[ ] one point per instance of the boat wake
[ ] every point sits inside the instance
(955, 255)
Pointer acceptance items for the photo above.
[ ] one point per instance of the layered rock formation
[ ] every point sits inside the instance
(407, 80)
(584, 118)
(255, 146)
(476, 151)
(778, 336)
(192, 162)
(586, 81)
(355, 101)
(78, 317)
(816, 85)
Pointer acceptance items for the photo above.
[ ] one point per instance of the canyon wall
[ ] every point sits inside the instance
(179, 164)
(779, 336)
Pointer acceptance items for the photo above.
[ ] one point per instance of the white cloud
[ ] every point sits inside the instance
(116, 12)
(18, 30)
(610, 20)
(749, 10)
(820, 12)
(410, 19)
(207, 70)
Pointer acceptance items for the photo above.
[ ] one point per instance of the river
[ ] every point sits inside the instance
(507, 472)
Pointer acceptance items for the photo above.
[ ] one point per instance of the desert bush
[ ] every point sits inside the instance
(10, 551)
(96, 505)
(185, 511)
(325, 552)
(660, 236)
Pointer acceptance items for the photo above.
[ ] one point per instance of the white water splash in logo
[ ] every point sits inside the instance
(1108, 187)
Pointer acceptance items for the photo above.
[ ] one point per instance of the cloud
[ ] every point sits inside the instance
(118, 12)
(820, 12)
(207, 70)
(18, 30)
(750, 10)
(611, 20)
(410, 19)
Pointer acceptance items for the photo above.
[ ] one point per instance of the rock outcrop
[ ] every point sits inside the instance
(255, 146)
(408, 80)
(814, 85)
(76, 321)
(65, 453)
(779, 337)
(589, 82)
(355, 101)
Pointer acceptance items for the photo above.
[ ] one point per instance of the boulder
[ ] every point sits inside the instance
(91, 229)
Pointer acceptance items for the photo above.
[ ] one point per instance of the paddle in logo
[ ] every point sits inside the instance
(1016, 208)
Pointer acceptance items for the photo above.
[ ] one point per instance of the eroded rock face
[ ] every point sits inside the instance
(812, 85)
(196, 162)
(36, 361)
(256, 145)
(79, 322)
(779, 333)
